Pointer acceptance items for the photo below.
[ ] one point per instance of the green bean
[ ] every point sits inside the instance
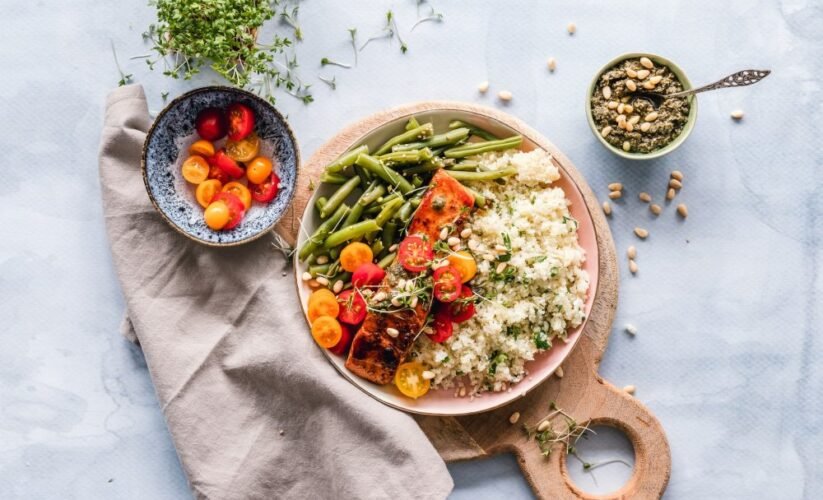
(482, 176)
(377, 247)
(319, 269)
(346, 159)
(388, 234)
(422, 132)
(322, 231)
(416, 201)
(404, 213)
(333, 178)
(354, 215)
(349, 233)
(383, 201)
(379, 169)
(479, 199)
(365, 176)
(476, 148)
(463, 168)
(358, 208)
(320, 203)
(387, 260)
(412, 123)
(449, 138)
(334, 253)
(339, 196)
(429, 166)
(479, 132)
(406, 157)
(417, 181)
(374, 192)
(389, 209)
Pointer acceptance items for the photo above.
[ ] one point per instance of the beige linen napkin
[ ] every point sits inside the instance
(254, 409)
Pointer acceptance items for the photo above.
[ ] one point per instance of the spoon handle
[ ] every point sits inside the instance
(739, 79)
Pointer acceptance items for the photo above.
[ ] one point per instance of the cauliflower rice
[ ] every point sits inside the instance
(522, 309)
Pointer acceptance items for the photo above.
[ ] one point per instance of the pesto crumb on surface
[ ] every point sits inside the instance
(637, 127)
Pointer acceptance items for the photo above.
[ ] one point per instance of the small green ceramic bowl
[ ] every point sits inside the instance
(687, 129)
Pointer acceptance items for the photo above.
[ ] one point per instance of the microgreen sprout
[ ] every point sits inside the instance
(330, 82)
(388, 31)
(164, 96)
(353, 39)
(433, 16)
(329, 62)
(290, 18)
(125, 79)
(391, 20)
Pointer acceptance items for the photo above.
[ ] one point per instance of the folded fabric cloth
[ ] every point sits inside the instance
(254, 409)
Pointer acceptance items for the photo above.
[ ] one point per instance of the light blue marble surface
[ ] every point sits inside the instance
(727, 304)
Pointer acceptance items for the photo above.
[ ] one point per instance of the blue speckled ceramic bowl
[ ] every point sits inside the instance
(167, 144)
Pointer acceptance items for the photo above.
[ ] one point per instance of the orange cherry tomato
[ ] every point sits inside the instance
(202, 148)
(409, 379)
(195, 169)
(322, 302)
(217, 215)
(355, 255)
(240, 191)
(243, 150)
(207, 190)
(326, 331)
(464, 263)
(259, 169)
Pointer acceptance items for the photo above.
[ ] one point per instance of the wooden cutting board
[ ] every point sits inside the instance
(581, 393)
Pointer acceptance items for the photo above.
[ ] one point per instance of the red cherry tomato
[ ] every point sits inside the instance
(443, 328)
(415, 254)
(352, 307)
(211, 124)
(368, 275)
(343, 344)
(225, 163)
(461, 309)
(446, 283)
(241, 121)
(216, 173)
(236, 208)
(266, 190)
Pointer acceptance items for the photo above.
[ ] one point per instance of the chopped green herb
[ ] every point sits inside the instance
(541, 340)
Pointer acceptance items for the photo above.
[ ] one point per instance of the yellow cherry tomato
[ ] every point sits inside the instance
(326, 331)
(207, 190)
(259, 169)
(464, 263)
(409, 379)
(217, 215)
(202, 148)
(195, 169)
(243, 150)
(322, 302)
(240, 191)
(355, 255)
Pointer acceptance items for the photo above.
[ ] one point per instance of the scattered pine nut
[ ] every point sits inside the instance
(392, 332)
(306, 276)
(462, 392)
(500, 268)
(634, 119)
(606, 131)
(544, 425)
(645, 126)
(428, 375)
(631, 329)
(444, 233)
(655, 79)
(629, 109)
(648, 85)
(613, 104)
(615, 186)
(393, 247)
(627, 146)
(313, 284)
(483, 87)
(559, 372)
(571, 28)
(615, 195)
(737, 114)
(642, 74)
(630, 389)
(631, 85)
(607, 208)
(552, 64)
(670, 194)
(465, 233)
(656, 209)
(505, 95)
(621, 107)
(453, 241)
(641, 233)
(631, 252)
(645, 197)
(514, 417)
(323, 259)
(322, 280)
(651, 116)
(682, 210)
(631, 73)
(674, 183)
(607, 92)
(677, 174)
(632, 266)
(646, 63)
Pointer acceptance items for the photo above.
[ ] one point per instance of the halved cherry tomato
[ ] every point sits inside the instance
(236, 208)
(244, 150)
(352, 307)
(326, 331)
(217, 215)
(367, 275)
(202, 148)
(207, 190)
(211, 124)
(265, 191)
(345, 341)
(216, 173)
(322, 302)
(442, 326)
(409, 379)
(195, 169)
(240, 191)
(241, 121)
(355, 255)
(226, 164)
(259, 169)
(415, 254)
(446, 283)
(461, 309)
(465, 264)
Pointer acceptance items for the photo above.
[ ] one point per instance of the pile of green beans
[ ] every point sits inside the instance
(379, 191)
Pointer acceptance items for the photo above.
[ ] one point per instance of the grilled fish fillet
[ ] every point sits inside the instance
(374, 354)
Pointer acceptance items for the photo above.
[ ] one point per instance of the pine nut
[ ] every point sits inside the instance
(631, 252)
(544, 425)
(559, 372)
(396, 302)
(629, 126)
(656, 79)
(631, 73)
(338, 286)
(634, 119)
(674, 183)
(645, 197)
(631, 85)
(645, 126)
(607, 208)
(683, 210)
(379, 296)
(306, 276)
(501, 248)
(670, 194)
(633, 266)
(606, 131)
(552, 64)
(462, 392)
(629, 109)
(627, 146)
(514, 417)
(621, 119)
(466, 233)
(737, 114)
(620, 108)
(473, 245)
(428, 374)
(641, 233)
(322, 280)
(571, 28)
(444, 233)
(413, 302)
(677, 174)
(607, 92)
(648, 86)
(394, 247)
(615, 186)
(651, 116)
(500, 268)
(631, 329)
(642, 74)
(613, 104)
(646, 63)
(453, 241)
(655, 208)
(615, 195)
(630, 389)
(505, 95)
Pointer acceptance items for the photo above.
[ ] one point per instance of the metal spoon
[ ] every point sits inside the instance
(739, 79)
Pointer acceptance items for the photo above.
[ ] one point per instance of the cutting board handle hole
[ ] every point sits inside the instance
(603, 462)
